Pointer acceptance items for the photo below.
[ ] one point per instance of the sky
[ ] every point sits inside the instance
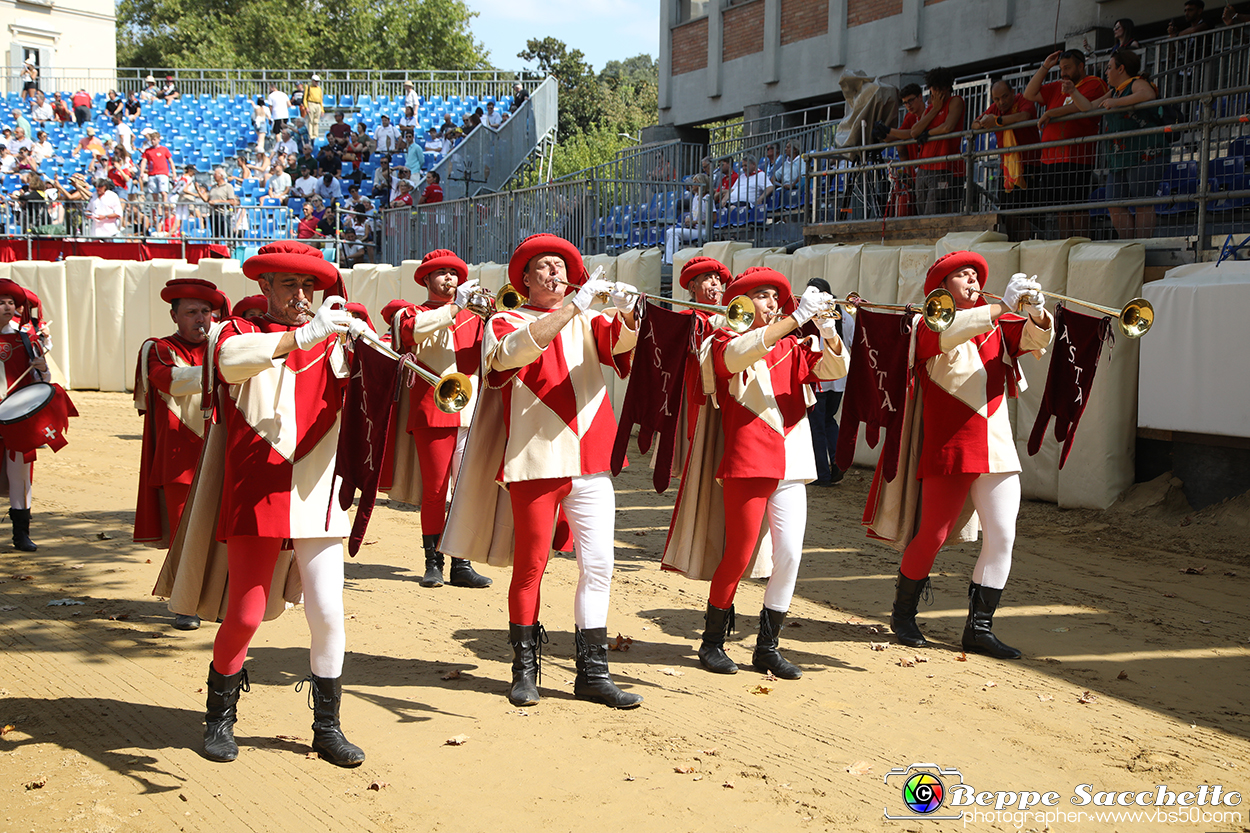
(604, 30)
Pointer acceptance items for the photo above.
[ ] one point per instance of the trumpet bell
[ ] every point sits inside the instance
(452, 393)
(508, 298)
(1136, 318)
(939, 310)
(740, 314)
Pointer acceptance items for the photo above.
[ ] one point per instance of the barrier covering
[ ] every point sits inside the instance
(59, 248)
(913, 265)
(680, 259)
(809, 262)
(1198, 309)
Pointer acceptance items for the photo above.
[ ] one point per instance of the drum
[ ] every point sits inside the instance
(35, 415)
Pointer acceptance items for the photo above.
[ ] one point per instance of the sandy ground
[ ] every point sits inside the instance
(1143, 607)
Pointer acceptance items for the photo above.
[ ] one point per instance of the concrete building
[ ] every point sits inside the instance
(73, 42)
(721, 59)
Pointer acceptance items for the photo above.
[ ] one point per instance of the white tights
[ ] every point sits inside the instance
(787, 522)
(321, 571)
(19, 474)
(996, 498)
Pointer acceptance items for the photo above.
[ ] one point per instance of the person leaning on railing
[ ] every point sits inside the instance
(936, 182)
(1135, 164)
(221, 204)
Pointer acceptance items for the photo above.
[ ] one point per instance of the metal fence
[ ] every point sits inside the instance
(1157, 179)
(253, 82)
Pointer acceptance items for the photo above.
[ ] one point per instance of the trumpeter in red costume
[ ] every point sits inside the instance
(168, 382)
(763, 390)
(967, 453)
(444, 337)
(705, 279)
(544, 431)
(23, 346)
(253, 306)
(279, 389)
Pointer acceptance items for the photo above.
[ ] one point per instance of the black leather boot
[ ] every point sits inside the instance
(907, 595)
(463, 574)
(221, 713)
(593, 682)
(433, 562)
(324, 697)
(978, 635)
(21, 529)
(766, 656)
(527, 651)
(712, 654)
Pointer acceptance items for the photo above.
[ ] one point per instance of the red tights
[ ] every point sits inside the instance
(435, 447)
(942, 499)
(746, 499)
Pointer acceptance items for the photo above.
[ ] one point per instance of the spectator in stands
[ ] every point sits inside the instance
(261, 167)
(382, 180)
(123, 133)
(299, 132)
(402, 172)
(61, 110)
(241, 170)
(307, 159)
(20, 140)
(90, 143)
(360, 145)
(150, 91)
(121, 171)
(190, 195)
(169, 92)
(1125, 35)
(409, 120)
(1135, 164)
(222, 203)
(695, 222)
(329, 189)
(328, 161)
(433, 142)
(279, 183)
(1193, 21)
(411, 99)
(414, 155)
(279, 108)
(260, 120)
(24, 162)
(664, 171)
(448, 126)
(308, 224)
(82, 106)
(104, 210)
(386, 136)
(20, 121)
(1021, 170)
(297, 102)
(42, 149)
(134, 107)
(1067, 170)
(41, 110)
(433, 190)
(113, 104)
(747, 186)
(350, 250)
(493, 119)
(285, 144)
(8, 162)
(769, 160)
(938, 182)
(1230, 16)
(519, 96)
(155, 167)
(725, 179)
(404, 197)
(788, 173)
(306, 185)
(312, 104)
(474, 120)
(339, 132)
(30, 79)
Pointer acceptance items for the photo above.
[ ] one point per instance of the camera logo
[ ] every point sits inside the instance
(923, 789)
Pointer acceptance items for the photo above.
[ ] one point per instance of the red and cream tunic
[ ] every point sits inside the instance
(16, 361)
(168, 394)
(282, 422)
(764, 395)
(556, 396)
(964, 373)
(442, 344)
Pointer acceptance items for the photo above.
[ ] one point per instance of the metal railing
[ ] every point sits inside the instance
(1193, 184)
(660, 161)
(728, 138)
(254, 82)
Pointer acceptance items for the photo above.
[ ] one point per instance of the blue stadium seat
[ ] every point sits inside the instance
(1229, 174)
(1181, 178)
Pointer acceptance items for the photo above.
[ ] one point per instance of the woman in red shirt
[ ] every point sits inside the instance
(937, 183)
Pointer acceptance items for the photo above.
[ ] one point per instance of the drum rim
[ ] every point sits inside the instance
(30, 414)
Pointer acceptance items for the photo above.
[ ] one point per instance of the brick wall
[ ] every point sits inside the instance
(859, 12)
(690, 47)
(802, 19)
(744, 30)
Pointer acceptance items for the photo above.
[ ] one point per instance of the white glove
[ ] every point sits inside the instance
(828, 328)
(591, 290)
(464, 291)
(623, 295)
(356, 328)
(1035, 306)
(1021, 288)
(811, 302)
(325, 323)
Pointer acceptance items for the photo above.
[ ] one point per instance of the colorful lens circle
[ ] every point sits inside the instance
(923, 793)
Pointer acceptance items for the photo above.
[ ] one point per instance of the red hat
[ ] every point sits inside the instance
(359, 309)
(696, 266)
(392, 307)
(441, 259)
(257, 302)
(948, 264)
(292, 256)
(542, 244)
(21, 297)
(761, 276)
(193, 289)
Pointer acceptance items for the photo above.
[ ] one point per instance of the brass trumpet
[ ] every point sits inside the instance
(739, 313)
(451, 392)
(1135, 318)
(937, 316)
(485, 305)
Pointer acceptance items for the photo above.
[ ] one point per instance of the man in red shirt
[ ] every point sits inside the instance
(913, 102)
(82, 107)
(1021, 172)
(340, 132)
(1067, 170)
(433, 191)
(155, 167)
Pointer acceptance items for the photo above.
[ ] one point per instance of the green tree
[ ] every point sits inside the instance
(380, 34)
